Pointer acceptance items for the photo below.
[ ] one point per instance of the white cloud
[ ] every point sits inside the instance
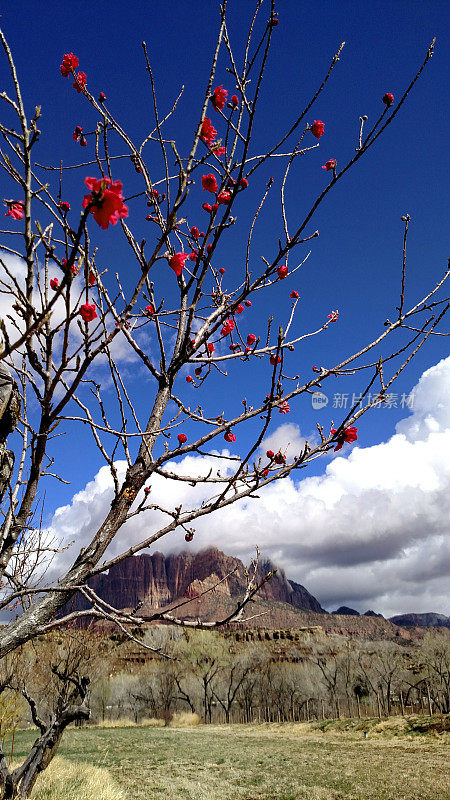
(371, 532)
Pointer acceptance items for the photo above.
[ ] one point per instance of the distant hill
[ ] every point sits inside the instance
(156, 581)
(428, 620)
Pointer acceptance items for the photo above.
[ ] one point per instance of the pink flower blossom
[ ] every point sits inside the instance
(88, 312)
(334, 316)
(107, 198)
(176, 262)
(228, 327)
(219, 97)
(80, 82)
(209, 183)
(15, 209)
(331, 164)
(224, 198)
(69, 63)
(284, 408)
(282, 271)
(318, 128)
(54, 283)
(349, 434)
(208, 132)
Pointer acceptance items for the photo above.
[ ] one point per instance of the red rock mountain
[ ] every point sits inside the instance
(155, 581)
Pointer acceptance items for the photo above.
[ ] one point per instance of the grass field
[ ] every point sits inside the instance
(265, 762)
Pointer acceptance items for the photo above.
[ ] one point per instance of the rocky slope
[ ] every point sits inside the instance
(156, 581)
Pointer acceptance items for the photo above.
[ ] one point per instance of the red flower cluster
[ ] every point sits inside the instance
(149, 310)
(88, 312)
(176, 262)
(234, 100)
(69, 64)
(54, 283)
(195, 233)
(334, 316)
(107, 198)
(15, 209)
(239, 309)
(219, 97)
(318, 128)
(295, 295)
(347, 435)
(284, 408)
(331, 164)
(80, 82)
(182, 438)
(270, 454)
(77, 133)
(224, 198)
(251, 339)
(229, 437)
(280, 458)
(209, 184)
(282, 271)
(64, 206)
(208, 132)
(388, 99)
(274, 360)
(228, 327)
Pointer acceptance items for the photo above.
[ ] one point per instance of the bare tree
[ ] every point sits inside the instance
(68, 314)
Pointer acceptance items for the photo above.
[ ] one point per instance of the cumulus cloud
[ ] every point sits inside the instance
(371, 532)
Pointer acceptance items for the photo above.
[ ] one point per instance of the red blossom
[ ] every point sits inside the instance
(77, 133)
(239, 309)
(349, 434)
(228, 327)
(295, 295)
(80, 82)
(193, 256)
(189, 379)
(208, 132)
(219, 97)
(88, 312)
(229, 436)
(188, 536)
(243, 183)
(265, 472)
(270, 454)
(182, 438)
(54, 283)
(331, 164)
(219, 151)
(275, 360)
(224, 198)
(195, 233)
(207, 207)
(209, 183)
(69, 63)
(222, 270)
(64, 206)
(92, 280)
(83, 141)
(234, 100)
(318, 128)
(248, 303)
(251, 339)
(334, 316)
(107, 198)
(101, 97)
(176, 262)
(15, 209)
(149, 310)
(388, 99)
(211, 348)
(284, 408)
(316, 369)
(215, 207)
(282, 271)
(280, 458)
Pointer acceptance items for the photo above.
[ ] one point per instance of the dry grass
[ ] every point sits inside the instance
(65, 780)
(185, 720)
(261, 762)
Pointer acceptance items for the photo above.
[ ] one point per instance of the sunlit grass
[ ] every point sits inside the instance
(266, 762)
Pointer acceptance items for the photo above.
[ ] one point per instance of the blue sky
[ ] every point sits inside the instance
(355, 263)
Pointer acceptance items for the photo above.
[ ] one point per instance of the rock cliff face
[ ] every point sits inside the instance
(155, 581)
(421, 620)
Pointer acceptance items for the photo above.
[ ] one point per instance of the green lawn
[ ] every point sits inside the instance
(276, 762)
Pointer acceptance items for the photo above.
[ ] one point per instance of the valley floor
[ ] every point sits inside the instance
(264, 762)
